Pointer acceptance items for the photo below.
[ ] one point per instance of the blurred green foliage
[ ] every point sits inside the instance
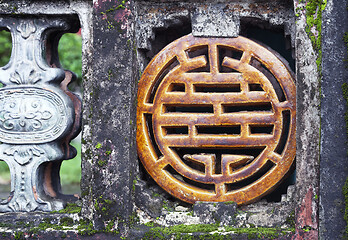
(70, 172)
(4, 173)
(5, 47)
(69, 50)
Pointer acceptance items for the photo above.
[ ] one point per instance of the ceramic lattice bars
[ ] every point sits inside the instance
(216, 119)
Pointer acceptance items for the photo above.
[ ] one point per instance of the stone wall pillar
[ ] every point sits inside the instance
(333, 152)
(109, 106)
(307, 127)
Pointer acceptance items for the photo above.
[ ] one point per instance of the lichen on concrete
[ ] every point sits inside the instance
(345, 186)
(205, 19)
(308, 117)
(314, 10)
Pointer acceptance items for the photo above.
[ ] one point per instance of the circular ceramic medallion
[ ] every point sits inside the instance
(216, 119)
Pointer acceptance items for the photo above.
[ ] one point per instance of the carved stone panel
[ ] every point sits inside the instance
(37, 113)
(32, 115)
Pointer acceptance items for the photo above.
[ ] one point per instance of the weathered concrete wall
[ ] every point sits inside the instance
(333, 152)
(109, 109)
(116, 193)
(308, 129)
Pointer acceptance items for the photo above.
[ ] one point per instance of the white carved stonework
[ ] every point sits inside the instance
(25, 74)
(32, 115)
(26, 28)
(37, 114)
(24, 154)
(21, 204)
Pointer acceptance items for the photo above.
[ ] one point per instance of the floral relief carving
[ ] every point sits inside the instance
(23, 116)
(26, 28)
(25, 74)
(24, 154)
(32, 115)
(22, 203)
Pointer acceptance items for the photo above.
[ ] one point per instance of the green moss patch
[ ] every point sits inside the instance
(108, 16)
(70, 208)
(213, 231)
(314, 11)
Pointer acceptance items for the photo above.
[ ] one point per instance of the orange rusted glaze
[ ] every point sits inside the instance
(212, 124)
